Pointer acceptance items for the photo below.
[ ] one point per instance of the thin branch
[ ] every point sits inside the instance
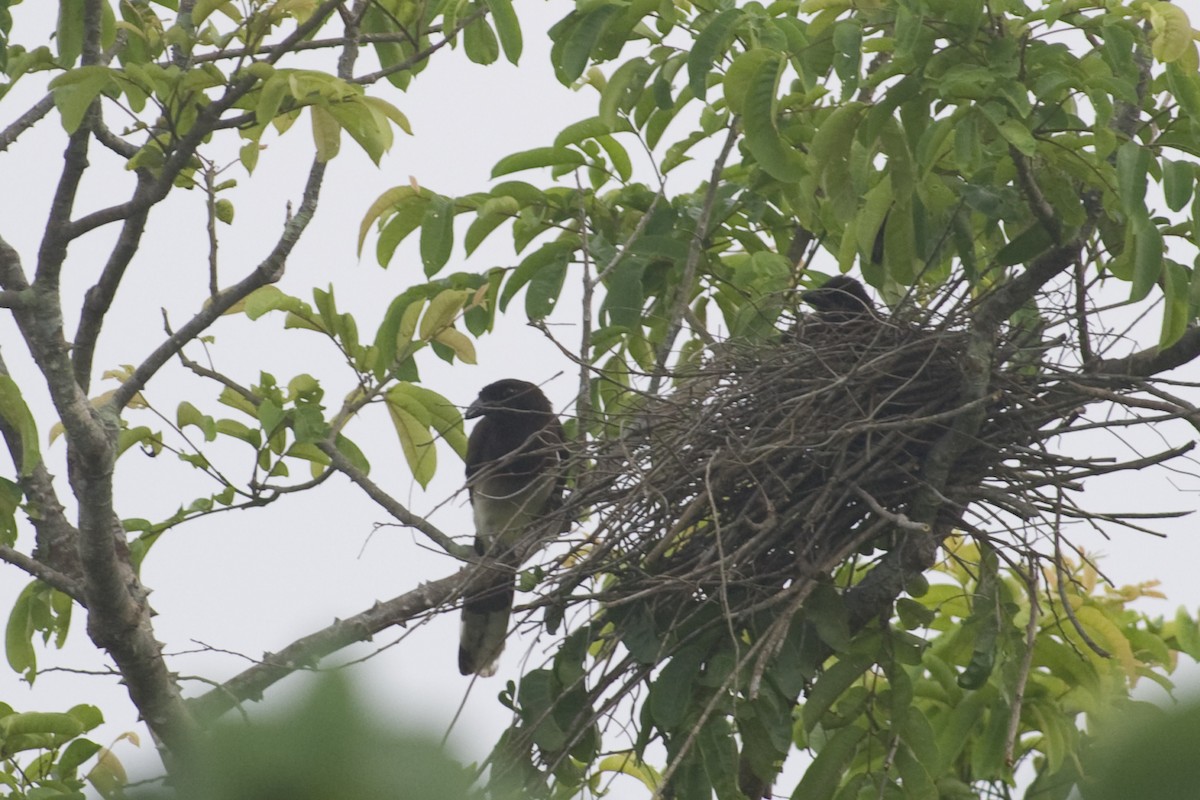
(269, 271)
(417, 58)
(402, 515)
(1031, 629)
(683, 297)
(26, 121)
(1152, 360)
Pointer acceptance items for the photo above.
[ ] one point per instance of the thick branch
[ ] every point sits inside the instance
(99, 298)
(1151, 361)
(307, 651)
(58, 228)
(695, 251)
(43, 573)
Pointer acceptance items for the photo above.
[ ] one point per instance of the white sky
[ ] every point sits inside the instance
(250, 582)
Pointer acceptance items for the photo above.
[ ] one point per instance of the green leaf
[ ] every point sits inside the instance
(18, 634)
(508, 28)
(437, 233)
(831, 685)
(415, 438)
(824, 774)
(777, 157)
(18, 418)
(456, 340)
(443, 310)
(1179, 179)
(392, 198)
(956, 727)
(538, 157)
(270, 98)
(407, 218)
(1171, 32)
(74, 92)
(327, 133)
(623, 90)
(68, 36)
(617, 156)
(551, 254)
(580, 40)
(544, 289)
(1133, 161)
(444, 415)
(75, 754)
(1147, 257)
(479, 42)
(1028, 244)
(709, 44)
(1177, 281)
(10, 501)
(740, 74)
(223, 209)
(60, 725)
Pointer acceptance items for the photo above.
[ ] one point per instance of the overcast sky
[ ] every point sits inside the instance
(249, 582)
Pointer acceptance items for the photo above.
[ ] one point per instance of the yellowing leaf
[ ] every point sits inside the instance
(389, 199)
(627, 763)
(327, 133)
(1171, 32)
(457, 341)
(442, 311)
(415, 438)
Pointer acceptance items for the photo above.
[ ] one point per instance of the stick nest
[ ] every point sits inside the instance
(775, 461)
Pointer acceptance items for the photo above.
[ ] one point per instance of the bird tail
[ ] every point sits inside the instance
(485, 627)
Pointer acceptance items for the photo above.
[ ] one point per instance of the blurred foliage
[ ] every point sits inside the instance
(326, 745)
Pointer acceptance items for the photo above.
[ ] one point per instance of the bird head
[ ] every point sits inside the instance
(839, 298)
(509, 396)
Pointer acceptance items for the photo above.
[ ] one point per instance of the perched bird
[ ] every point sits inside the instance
(514, 479)
(840, 299)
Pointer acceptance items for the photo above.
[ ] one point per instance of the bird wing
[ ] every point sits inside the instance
(514, 479)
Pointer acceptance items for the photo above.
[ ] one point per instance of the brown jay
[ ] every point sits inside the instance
(840, 299)
(514, 479)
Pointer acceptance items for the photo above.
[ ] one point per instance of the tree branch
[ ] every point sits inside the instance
(405, 517)
(43, 573)
(308, 650)
(269, 271)
(1152, 360)
(26, 121)
(695, 250)
(99, 298)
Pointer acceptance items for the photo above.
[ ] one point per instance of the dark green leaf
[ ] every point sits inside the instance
(1147, 257)
(538, 157)
(831, 685)
(580, 41)
(1179, 179)
(824, 774)
(778, 158)
(508, 28)
(437, 233)
(709, 45)
(479, 42)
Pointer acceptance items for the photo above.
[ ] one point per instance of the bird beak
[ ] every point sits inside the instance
(474, 410)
